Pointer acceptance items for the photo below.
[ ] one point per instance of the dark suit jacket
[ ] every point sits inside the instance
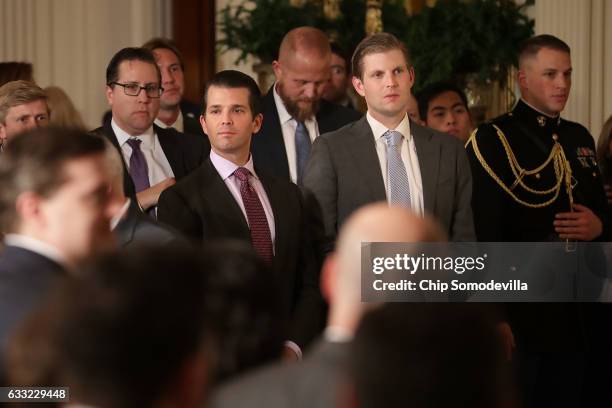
(201, 207)
(25, 280)
(312, 383)
(268, 145)
(184, 152)
(191, 119)
(139, 229)
(344, 174)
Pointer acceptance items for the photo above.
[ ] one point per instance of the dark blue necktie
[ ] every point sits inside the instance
(302, 149)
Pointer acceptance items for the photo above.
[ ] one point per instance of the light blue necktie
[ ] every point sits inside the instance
(302, 149)
(397, 178)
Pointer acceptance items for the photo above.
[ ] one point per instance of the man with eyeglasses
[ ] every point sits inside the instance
(154, 157)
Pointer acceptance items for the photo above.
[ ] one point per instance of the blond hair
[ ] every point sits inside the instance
(63, 112)
(17, 93)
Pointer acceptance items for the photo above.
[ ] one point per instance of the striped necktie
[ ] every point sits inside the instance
(397, 179)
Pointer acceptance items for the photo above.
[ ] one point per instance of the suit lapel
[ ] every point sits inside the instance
(170, 145)
(272, 143)
(128, 183)
(220, 198)
(363, 150)
(428, 152)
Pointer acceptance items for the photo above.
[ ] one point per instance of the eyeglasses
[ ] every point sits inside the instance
(151, 90)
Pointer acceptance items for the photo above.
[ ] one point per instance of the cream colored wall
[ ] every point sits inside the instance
(582, 24)
(71, 41)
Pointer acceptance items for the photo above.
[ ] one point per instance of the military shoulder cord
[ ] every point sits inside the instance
(563, 171)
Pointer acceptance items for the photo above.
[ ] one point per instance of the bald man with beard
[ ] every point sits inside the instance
(314, 382)
(294, 112)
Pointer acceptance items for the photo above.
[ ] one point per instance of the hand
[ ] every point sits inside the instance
(608, 189)
(507, 338)
(148, 198)
(582, 225)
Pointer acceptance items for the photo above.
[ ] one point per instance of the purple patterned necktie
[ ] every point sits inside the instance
(139, 171)
(256, 216)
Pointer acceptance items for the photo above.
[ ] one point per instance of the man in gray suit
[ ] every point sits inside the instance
(315, 381)
(386, 157)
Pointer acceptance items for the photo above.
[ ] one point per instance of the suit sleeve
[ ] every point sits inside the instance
(308, 317)
(174, 211)
(462, 228)
(320, 180)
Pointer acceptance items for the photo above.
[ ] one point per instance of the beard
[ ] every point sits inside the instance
(299, 112)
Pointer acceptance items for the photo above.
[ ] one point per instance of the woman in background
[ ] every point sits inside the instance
(63, 112)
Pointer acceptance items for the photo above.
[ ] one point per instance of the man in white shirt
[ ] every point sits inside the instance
(154, 157)
(174, 111)
(316, 381)
(386, 157)
(294, 112)
(230, 197)
(56, 208)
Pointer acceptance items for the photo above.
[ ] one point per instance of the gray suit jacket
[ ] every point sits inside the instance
(343, 173)
(312, 383)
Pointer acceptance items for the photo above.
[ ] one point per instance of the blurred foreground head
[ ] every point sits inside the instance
(131, 331)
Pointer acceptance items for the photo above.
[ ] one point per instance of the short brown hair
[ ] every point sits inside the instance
(34, 161)
(166, 44)
(374, 44)
(530, 47)
(17, 93)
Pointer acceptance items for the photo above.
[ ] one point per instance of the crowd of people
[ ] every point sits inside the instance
(183, 255)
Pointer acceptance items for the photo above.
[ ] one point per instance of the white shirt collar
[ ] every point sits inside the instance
(178, 123)
(226, 168)
(36, 246)
(283, 115)
(122, 136)
(378, 129)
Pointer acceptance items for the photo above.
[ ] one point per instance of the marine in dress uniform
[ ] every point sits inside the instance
(526, 168)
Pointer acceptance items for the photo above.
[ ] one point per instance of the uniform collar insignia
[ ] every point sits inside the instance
(541, 120)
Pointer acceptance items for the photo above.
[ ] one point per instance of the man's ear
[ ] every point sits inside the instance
(109, 95)
(329, 277)
(358, 85)
(3, 136)
(203, 123)
(257, 121)
(277, 68)
(521, 77)
(28, 206)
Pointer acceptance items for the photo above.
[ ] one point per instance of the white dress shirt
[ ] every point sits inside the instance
(159, 167)
(226, 170)
(288, 126)
(178, 124)
(409, 157)
(36, 246)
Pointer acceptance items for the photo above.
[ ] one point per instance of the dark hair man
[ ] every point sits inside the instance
(132, 330)
(294, 111)
(56, 206)
(384, 156)
(23, 106)
(337, 87)
(443, 106)
(174, 111)
(154, 157)
(536, 179)
(230, 197)
(317, 380)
